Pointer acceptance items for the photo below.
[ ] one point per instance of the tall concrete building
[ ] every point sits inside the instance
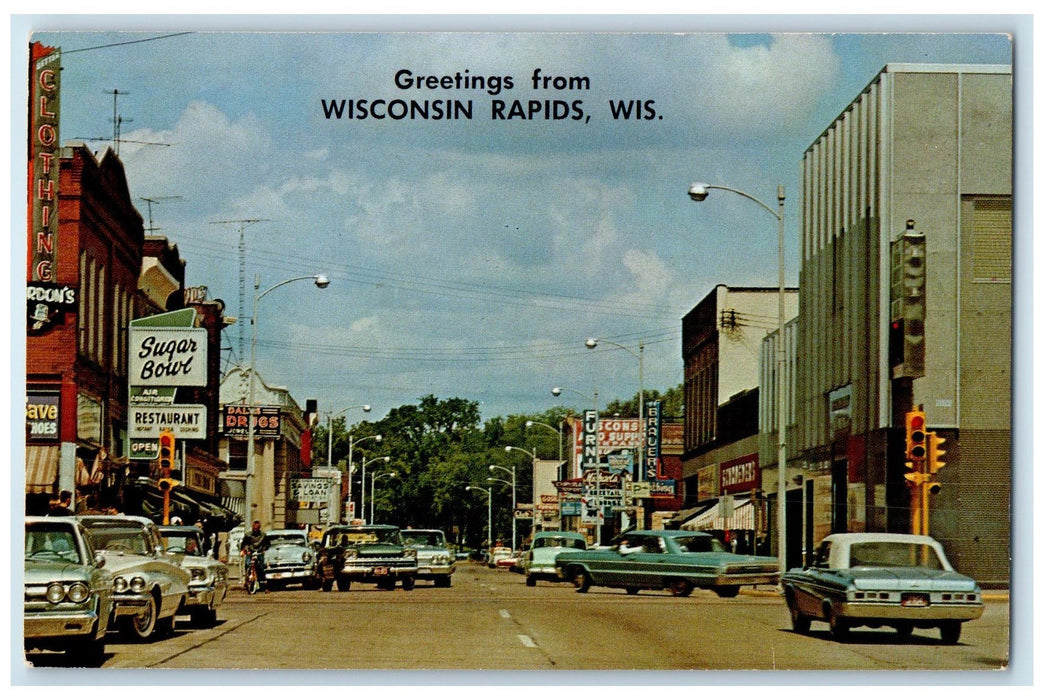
(930, 145)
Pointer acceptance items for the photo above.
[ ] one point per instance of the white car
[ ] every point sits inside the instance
(208, 584)
(435, 562)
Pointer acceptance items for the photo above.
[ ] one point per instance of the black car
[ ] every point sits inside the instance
(365, 554)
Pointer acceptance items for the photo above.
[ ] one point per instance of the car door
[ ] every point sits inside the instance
(812, 584)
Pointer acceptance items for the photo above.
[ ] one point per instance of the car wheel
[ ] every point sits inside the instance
(632, 590)
(327, 584)
(799, 621)
(950, 632)
(343, 583)
(581, 581)
(89, 652)
(204, 618)
(839, 626)
(530, 581)
(165, 626)
(903, 631)
(143, 625)
(680, 587)
(408, 583)
(727, 591)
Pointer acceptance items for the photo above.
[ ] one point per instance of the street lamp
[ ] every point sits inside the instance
(352, 442)
(698, 192)
(514, 503)
(373, 478)
(329, 429)
(362, 499)
(640, 355)
(557, 391)
(531, 423)
(322, 282)
(489, 515)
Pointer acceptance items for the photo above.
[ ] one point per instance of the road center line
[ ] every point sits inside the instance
(527, 641)
(505, 614)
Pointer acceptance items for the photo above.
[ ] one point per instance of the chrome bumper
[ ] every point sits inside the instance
(51, 625)
(895, 611)
(123, 604)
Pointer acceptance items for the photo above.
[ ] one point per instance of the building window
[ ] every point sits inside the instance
(991, 251)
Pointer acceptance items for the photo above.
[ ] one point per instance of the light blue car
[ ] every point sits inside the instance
(675, 560)
(538, 562)
(881, 580)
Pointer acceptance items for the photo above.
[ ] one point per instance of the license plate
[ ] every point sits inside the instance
(915, 600)
(279, 574)
(424, 570)
(380, 571)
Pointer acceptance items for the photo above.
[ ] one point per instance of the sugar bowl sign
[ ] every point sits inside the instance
(168, 356)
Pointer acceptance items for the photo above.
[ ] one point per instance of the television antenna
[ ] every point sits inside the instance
(156, 200)
(243, 223)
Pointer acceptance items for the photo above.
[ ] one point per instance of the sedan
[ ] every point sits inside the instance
(538, 562)
(675, 560)
(208, 582)
(289, 558)
(68, 595)
(149, 586)
(881, 580)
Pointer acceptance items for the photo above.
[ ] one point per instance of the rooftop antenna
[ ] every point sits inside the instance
(155, 200)
(117, 121)
(242, 274)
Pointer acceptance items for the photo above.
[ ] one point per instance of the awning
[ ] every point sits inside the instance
(742, 518)
(41, 467)
(683, 515)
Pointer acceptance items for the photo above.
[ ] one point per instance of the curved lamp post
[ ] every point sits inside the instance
(489, 515)
(362, 501)
(322, 282)
(352, 442)
(557, 391)
(373, 478)
(698, 192)
(592, 343)
(329, 429)
(531, 423)
(514, 502)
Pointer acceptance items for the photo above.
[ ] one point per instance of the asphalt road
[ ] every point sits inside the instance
(490, 620)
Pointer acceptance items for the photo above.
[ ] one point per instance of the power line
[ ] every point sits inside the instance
(125, 43)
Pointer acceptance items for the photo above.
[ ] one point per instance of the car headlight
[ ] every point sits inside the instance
(351, 554)
(137, 584)
(79, 592)
(120, 585)
(55, 593)
(198, 574)
(306, 556)
(411, 553)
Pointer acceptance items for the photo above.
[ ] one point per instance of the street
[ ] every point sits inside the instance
(490, 620)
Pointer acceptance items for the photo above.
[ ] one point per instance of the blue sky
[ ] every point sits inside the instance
(472, 258)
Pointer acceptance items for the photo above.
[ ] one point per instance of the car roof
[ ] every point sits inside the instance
(667, 533)
(50, 519)
(287, 531)
(179, 528)
(419, 529)
(361, 527)
(116, 519)
(557, 533)
(854, 537)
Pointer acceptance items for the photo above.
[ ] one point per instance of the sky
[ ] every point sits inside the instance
(473, 257)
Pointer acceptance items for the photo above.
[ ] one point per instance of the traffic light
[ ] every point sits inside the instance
(916, 436)
(913, 289)
(935, 453)
(166, 452)
(165, 484)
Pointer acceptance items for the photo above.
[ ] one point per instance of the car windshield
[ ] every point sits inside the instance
(285, 538)
(699, 543)
(182, 543)
(355, 538)
(119, 539)
(424, 539)
(893, 554)
(568, 542)
(51, 541)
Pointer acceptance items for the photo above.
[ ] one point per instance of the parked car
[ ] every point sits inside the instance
(289, 558)
(498, 555)
(68, 593)
(676, 560)
(149, 586)
(881, 580)
(208, 577)
(538, 562)
(366, 554)
(435, 561)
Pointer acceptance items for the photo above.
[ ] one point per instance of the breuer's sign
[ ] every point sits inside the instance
(168, 356)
